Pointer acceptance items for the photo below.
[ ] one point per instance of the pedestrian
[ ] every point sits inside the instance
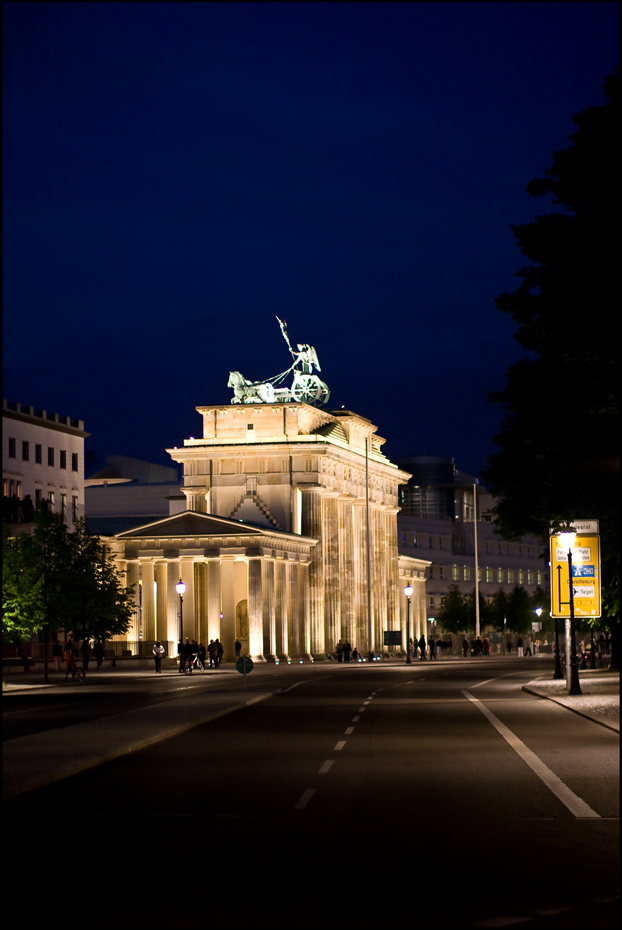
(98, 650)
(57, 655)
(519, 646)
(432, 645)
(339, 651)
(355, 654)
(212, 651)
(486, 646)
(238, 648)
(347, 649)
(219, 652)
(180, 653)
(158, 652)
(421, 645)
(465, 647)
(509, 645)
(202, 654)
(188, 655)
(68, 658)
(528, 651)
(85, 649)
(479, 647)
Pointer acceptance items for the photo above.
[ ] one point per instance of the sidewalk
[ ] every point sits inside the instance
(599, 700)
(42, 758)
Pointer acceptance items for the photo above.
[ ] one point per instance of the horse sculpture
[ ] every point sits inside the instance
(247, 392)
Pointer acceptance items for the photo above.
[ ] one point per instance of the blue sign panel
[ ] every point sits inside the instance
(583, 571)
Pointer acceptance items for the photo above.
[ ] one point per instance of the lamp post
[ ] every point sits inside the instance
(567, 541)
(180, 587)
(408, 590)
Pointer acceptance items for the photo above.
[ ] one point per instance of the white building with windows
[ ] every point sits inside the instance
(42, 460)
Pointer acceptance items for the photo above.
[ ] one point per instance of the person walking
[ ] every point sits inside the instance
(85, 649)
(212, 651)
(528, 651)
(347, 649)
(98, 650)
(220, 651)
(432, 645)
(69, 660)
(421, 645)
(465, 647)
(158, 652)
(519, 646)
(57, 655)
(238, 648)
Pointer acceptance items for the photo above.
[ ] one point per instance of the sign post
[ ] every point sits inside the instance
(575, 582)
(244, 665)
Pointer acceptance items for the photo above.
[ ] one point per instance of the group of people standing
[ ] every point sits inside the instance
(187, 652)
(68, 654)
(476, 647)
(344, 652)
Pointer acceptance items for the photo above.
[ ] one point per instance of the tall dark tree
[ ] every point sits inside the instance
(558, 457)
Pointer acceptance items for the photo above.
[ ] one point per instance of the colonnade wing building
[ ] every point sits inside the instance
(273, 542)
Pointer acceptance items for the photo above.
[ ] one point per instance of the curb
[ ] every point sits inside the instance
(125, 750)
(575, 710)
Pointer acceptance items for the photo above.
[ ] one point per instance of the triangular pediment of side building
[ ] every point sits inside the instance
(191, 523)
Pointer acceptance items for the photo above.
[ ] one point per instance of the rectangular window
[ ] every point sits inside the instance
(540, 578)
(510, 576)
(467, 572)
(74, 461)
(18, 489)
(430, 571)
(50, 455)
(25, 451)
(455, 575)
(488, 573)
(63, 506)
(38, 454)
(500, 576)
(63, 458)
(11, 448)
(441, 572)
(74, 507)
(38, 495)
(521, 576)
(488, 547)
(403, 539)
(51, 500)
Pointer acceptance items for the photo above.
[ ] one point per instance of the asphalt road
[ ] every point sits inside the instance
(439, 795)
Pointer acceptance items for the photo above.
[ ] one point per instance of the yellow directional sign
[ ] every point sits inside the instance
(585, 577)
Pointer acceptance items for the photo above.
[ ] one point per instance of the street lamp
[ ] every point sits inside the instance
(180, 587)
(567, 541)
(408, 590)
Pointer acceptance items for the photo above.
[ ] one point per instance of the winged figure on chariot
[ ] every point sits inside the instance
(306, 386)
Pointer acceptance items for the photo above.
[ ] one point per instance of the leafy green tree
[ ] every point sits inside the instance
(498, 610)
(484, 610)
(56, 580)
(453, 613)
(520, 610)
(544, 472)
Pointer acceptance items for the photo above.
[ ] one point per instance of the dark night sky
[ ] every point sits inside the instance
(176, 174)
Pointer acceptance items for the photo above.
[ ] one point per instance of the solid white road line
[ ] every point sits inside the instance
(573, 802)
(304, 800)
(340, 744)
(326, 766)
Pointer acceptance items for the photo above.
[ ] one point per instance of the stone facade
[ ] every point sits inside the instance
(299, 470)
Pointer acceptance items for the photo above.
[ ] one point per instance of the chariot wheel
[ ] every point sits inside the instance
(309, 389)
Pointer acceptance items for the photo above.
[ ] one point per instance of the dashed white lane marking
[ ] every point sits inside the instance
(349, 731)
(355, 719)
(304, 800)
(573, 802)
(365, 703)
(340, 744)
(326, 766)
(361, 709)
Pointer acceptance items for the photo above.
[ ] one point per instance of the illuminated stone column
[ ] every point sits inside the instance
(303, 614)
(214, 600)
(131, 581)
(281, 603)
(360, 575)
(149, 602)
(346, 573)
(172, 604)
(255, 610)
(332, 581)
(268, 612)
(393, 582)
(162, 630)
(200, 601)
(184, 570)
(312, 526)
